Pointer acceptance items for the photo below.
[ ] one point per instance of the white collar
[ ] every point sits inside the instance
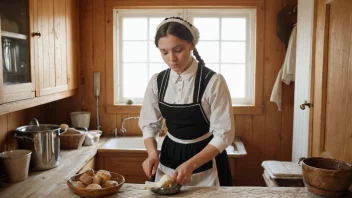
(186, 74)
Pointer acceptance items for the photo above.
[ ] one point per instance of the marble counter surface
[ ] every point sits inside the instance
(138, 191)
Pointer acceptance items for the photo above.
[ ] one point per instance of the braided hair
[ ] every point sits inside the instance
(179, 30)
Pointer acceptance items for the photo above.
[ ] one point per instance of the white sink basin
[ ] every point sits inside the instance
(128, 143)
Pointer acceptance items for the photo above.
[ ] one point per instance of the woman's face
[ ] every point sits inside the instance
(176, 52)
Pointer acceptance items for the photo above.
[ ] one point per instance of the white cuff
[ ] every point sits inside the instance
(149, 132)
(218, 143)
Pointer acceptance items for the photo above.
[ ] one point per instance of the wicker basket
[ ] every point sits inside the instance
(71, 141)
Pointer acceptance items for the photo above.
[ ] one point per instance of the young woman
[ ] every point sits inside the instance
(196, 104)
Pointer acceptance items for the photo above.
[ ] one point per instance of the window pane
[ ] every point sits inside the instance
(214, 67)
(209, 51)
(156, 68)
(235, 76)
(208, 28)
(233, 29)
(153, 24)
(154, 53)
(233, 52)
(134, 28)
(134, 51)
(134, 80)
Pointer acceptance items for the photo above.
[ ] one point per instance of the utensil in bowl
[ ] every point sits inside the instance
(83, 192)
(167, 190)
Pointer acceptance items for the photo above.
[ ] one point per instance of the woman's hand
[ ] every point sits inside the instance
(150, 165)
(183, 173)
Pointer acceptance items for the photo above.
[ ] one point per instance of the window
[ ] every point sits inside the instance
(227, 45)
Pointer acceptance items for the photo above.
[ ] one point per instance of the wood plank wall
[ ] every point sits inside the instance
(267, 136)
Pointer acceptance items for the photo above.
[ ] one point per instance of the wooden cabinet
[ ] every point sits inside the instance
(55, 25)
(40, 53)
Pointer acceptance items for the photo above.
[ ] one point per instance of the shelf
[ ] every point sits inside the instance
(13, 35)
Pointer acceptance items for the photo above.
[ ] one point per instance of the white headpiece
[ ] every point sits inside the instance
(194, 31)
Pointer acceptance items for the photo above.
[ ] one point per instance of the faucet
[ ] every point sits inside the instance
(123, 130)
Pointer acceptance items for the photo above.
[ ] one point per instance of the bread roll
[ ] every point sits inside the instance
(97, 179)
(93, 186)
(86, 179)
(78, 184)
(105, 175)
(165, 181)
(110, 183)
(90, 172)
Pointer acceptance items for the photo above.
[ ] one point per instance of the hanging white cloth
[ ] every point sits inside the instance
(287, 71)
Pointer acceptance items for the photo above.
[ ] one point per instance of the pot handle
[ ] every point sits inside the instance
(23, 137)
(300, 160)
(34, 121)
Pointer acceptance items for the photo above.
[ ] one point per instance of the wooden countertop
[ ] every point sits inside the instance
(52, 183)
(43, 183)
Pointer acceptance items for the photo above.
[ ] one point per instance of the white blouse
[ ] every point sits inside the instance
(216, 103)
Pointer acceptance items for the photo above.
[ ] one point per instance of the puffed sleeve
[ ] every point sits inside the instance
(150, 116)
(221, 119)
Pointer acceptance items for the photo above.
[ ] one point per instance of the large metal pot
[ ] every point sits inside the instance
(44, 142)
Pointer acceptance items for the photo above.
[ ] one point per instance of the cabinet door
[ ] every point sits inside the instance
(72, 42)
(50, 49)
(16, 73)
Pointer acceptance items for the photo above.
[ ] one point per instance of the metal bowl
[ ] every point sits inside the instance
(167, 190)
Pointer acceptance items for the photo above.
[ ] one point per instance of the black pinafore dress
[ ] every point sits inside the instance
(188, 134)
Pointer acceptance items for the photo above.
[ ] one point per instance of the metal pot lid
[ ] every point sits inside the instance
(37, 129)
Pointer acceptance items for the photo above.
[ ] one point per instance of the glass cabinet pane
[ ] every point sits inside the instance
(14, 41)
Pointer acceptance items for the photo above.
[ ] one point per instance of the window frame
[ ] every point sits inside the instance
(188, 14)
(250, 15)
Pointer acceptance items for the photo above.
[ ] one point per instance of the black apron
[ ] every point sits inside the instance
(187, 122)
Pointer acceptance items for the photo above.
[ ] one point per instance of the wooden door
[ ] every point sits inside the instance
(51, 57)
(332, 112)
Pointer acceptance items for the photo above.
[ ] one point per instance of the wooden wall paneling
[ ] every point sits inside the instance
(99, 60)
(260, 43)
(109, 101)
(257, 149)
(287, 109)
(60, 66)
(244, 166)
(107, 122)
(336, 80)
(348, 133)
(15, 119)
(272, 65)
(87, 42)
(3, 133)
(175, 3)
(319, 83)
